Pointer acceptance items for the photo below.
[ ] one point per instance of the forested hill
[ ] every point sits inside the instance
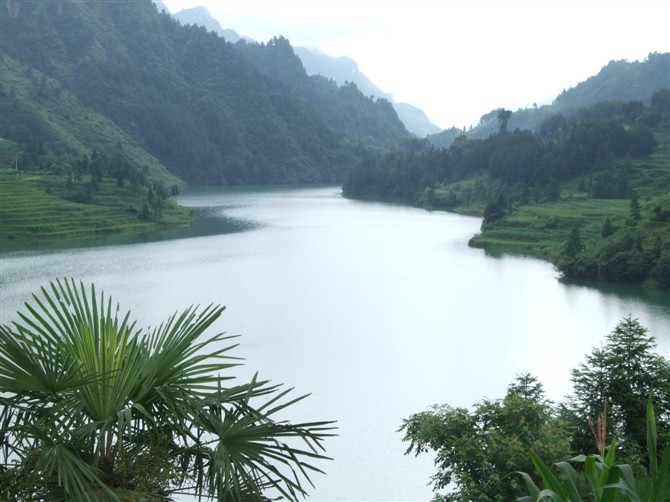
(590, 192)
(344, 107)
(616, 81)
(193, 102)
(345, 69)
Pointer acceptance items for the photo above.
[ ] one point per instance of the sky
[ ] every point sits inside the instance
(459, 59)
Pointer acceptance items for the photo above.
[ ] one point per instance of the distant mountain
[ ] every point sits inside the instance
(345, 69)
(415, 119)
(120, 77)
(342, 70)
(200, 16)
(362, 119)
(617, 81)
(352, 111)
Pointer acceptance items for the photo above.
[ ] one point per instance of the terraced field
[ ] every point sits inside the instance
(36, 206)
(541, 229)
(537, 229)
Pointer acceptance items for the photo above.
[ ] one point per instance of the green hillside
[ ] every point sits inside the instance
(106, 104)
(176, 96)
(590, 193)
(616, 81)
(34, 206)
(36, 108)
(69, 196)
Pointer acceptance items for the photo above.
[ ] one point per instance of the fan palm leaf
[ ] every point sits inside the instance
(95, 409)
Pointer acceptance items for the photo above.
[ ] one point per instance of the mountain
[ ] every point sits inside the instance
(345, 108)
(200, 16)
(161, 7)
(340, 69)
(617, 81)
(207, 110)
(415, 119)
(345, 69)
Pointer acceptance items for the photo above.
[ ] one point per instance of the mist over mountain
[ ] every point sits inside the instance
(340, 69)
(200, 16)
(345, 108)
(344, 69)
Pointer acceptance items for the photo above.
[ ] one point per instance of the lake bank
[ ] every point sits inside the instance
(44, 207)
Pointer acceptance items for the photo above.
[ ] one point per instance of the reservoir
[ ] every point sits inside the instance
(376, 310)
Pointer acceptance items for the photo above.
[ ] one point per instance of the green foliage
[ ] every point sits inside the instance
(528, 187)
(622, 374)
(49, 194)
(606, 481)
(344, 108)
(620, 81)
(562, 483)
(59, 122)
(536, 164)
(477, 450)
(503, 117)
(209, 111)
(95, 409)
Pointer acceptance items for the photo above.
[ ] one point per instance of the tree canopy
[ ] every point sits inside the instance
(621, 374)
(478, 451)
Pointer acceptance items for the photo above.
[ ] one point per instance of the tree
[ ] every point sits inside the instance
(495, 210)
(622, 373)
(573, 244)
(476, 451)
(635, 208)
(607, 229)
(503, 117)
(93, 409)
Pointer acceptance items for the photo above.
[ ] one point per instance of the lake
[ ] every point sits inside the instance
(377, 310)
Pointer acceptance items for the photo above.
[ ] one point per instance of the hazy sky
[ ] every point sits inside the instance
(458, 59)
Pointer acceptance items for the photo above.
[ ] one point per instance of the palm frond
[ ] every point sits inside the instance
(86, 394)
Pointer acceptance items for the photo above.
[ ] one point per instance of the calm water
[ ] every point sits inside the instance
(377, 310)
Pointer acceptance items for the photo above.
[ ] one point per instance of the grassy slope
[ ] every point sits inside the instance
(32, 207)
(541, 229)
(70, 125)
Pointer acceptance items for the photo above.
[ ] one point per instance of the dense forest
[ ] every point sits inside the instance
(345, 108)
(167, 95)
(602, 152)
